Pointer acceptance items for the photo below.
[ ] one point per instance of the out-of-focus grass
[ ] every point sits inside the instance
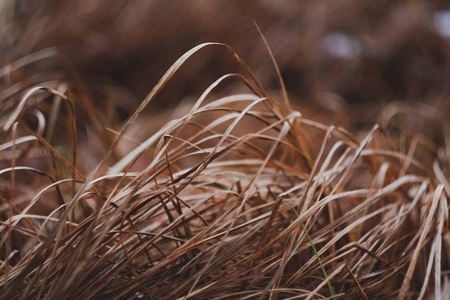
(104, 196)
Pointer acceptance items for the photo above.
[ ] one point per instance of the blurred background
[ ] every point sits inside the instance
(342, 61)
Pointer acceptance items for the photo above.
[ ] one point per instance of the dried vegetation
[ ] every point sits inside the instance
(235, 195)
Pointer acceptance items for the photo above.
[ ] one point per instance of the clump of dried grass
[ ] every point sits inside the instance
(238, 197)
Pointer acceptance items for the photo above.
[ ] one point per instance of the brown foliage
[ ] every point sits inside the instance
(232, 195)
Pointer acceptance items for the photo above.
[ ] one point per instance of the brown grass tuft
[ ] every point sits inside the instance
(236, 196)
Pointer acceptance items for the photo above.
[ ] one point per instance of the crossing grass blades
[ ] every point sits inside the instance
(235, 196)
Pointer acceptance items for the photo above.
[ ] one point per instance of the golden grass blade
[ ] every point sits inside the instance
(434, 204)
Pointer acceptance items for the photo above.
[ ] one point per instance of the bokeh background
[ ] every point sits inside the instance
(343, 61)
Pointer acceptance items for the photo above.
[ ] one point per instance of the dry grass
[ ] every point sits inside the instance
(211, 187)
(236, 196)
